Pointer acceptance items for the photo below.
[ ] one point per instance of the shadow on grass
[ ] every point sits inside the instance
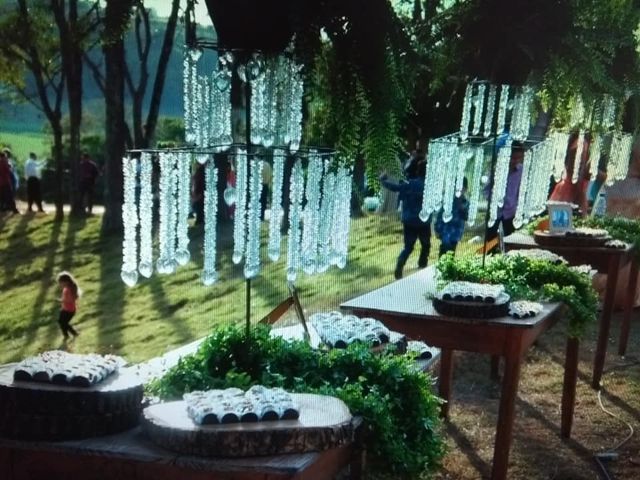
(17, 241)
(111, 298)
(467, 448)
(166, 311)
(43, 299)
(69, 246)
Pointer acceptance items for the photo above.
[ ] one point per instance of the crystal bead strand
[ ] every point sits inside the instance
(609, 112)
(252, 255)
(478, 164)
(172, 215)
(296, 193)
(491, 105)
(465, 153)
(466, 112)
(502, 109)
(525, 188)
(433, 180)
(129, 272)
(199, 113)
(270, 109)
(311, 214)
(295, 120)
(239, 223)
(560, 141)
(209, 273)
(275, 219)
(341, 218)
(594, 155)
(577, 161)
(191, 111)
(165, 263)
(327, 208)
(454, 158)
(478, 103)
(499, 182)
(187, 93)
(184, 206)
(258, 87)
(145, 267)
(206, 126)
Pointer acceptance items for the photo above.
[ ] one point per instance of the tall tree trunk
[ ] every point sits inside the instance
(71, 51)
(116, 18)
(158, 85)
(58, 160)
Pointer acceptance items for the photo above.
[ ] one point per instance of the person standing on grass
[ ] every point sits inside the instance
(88, 174)
(32, 173)
(451, 232)
(70, 294)
(7, 199)
(410, 194)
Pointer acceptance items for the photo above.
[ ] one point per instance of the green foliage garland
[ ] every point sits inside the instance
(394, 398)
(524, 278)
(620, 228)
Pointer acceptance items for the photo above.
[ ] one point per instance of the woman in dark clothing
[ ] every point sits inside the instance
(410, 194)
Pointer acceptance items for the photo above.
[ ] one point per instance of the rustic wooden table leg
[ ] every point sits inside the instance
(628, 307)
(495, 367)
(569, 386)
(605, 320)
(510, 379)
(446, 375)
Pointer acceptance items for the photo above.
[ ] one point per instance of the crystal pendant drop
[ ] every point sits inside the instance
(275, 220)
(209, 273)
(145, 267)
(239, 224)
(129, 272)
(296, 193)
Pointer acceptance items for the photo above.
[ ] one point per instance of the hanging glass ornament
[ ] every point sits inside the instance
(466, 112)
(434, 178)
(296, 193)
(209, 273)
(341, 218)
(252, 256)
(275, 219)
(167, 229)
(465, 154)
(491, 105)
(577, 161)
(311, 214)
(478, 103)
(502, 109)
(525, 187)
(455, 157)
(129, 272)
(595, 150)
(145, 267)
(240, 214)
(560, 142)
(474, 198)
(187, 95)
(182, 254)
(499, 182)
(327, 209)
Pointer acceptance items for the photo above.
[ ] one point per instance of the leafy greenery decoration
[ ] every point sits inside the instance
(620, 228)
(395, 398)
(524, 278)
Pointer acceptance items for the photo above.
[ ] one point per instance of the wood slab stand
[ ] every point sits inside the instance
(325, 423)
(546, 239)
(38, 411)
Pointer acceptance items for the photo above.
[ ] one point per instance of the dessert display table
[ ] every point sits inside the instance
(604, 260)
(403, 306)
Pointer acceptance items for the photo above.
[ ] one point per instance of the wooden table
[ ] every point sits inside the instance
(402, 306)
(132, 456)
(605, 260)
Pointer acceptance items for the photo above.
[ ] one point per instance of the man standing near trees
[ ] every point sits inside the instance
(88, 174)
(33, 174)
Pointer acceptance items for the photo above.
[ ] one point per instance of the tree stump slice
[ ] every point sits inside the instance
(325, 422)
(39, 411)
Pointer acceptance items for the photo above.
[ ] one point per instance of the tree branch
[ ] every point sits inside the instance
(95, 70)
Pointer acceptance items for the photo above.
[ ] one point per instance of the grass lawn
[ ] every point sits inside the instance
(165, 312)
(23, 143)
